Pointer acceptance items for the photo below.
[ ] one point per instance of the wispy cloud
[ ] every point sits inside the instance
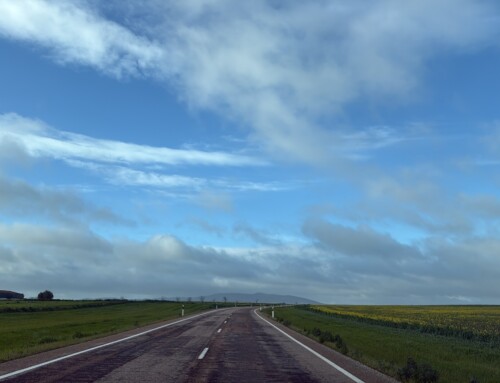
(274, 69)
(361, 144)
(127, 164)
(120, 175)
(41, 140)
(75, 33)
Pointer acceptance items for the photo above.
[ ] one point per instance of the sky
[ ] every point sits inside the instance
(346, 151)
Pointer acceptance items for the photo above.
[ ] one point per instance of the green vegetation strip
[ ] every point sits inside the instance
(24, 333)
(10, 306)
(468, 322)
(388, 348)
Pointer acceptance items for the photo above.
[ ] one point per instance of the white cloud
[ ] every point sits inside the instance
(286, 72)
(74, 33)
(279, 68)
(124, 176)
(78, 263)
(274, 68)
(40, 140)
(127, 164)
(208, 192)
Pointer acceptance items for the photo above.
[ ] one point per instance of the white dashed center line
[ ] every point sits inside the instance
(203, 353)
(219, 330)
(21, 371)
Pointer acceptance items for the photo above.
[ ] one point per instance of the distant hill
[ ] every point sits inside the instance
(259, 298)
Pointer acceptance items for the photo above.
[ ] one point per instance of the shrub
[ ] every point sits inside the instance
(326, 336)
(316, 331)
(78, 335)
(413, 372)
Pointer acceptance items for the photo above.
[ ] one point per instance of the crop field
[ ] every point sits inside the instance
(468, 322)
(29, 327)
(459, 343)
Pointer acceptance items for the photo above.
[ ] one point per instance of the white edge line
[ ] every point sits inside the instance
(22, 371)
(337, 367)
(203, 353)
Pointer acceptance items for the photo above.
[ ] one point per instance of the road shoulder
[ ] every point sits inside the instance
(363, 372)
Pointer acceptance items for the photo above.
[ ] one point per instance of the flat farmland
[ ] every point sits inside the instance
(29, 327)
(468, 322)
(459, 343)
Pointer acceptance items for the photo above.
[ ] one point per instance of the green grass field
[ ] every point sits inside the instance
(386, 347)
(35, 305)
(468, 322)
(53, 324)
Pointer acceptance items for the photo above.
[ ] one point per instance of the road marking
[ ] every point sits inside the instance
(22, 371)
(225, 321)
(337, 367)
(203, 353)
(219, 330)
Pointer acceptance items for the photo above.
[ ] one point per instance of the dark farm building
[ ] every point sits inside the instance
(5, 294)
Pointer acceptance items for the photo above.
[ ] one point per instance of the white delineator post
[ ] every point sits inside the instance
(273, 313)
(182, 312)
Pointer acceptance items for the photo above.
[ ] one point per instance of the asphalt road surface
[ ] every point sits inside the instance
(230, 345)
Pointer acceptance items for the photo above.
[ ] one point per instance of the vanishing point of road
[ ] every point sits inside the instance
(225, 345)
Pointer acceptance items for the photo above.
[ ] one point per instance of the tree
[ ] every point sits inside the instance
(45, 296)
(225, 299)
(202, 299)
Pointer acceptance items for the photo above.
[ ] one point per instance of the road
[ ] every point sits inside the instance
(230, 345)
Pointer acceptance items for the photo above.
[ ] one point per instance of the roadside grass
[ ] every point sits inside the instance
(26, 333)
(387, 349)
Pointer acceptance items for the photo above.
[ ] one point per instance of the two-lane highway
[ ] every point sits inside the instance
(230, 345)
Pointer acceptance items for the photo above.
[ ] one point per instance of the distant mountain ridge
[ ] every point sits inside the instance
(259, 298)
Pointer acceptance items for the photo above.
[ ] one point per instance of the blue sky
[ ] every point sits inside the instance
(345, 151)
